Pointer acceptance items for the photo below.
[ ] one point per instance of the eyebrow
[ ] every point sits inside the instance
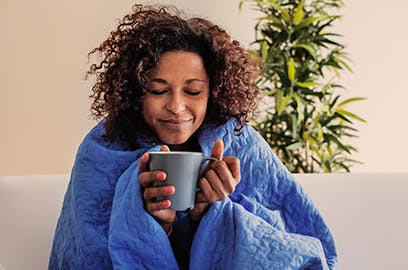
(163, 81)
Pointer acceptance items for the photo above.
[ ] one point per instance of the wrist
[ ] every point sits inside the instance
(198, 211)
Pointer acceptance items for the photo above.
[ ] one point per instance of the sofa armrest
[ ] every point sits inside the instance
(29, 209)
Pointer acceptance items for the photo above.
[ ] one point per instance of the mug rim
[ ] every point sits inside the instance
(176, 152)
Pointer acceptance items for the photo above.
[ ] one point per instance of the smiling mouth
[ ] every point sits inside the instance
(175, 122)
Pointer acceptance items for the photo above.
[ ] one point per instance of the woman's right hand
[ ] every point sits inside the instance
(160, 210)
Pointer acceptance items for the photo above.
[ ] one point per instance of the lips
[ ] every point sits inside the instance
(175, 123)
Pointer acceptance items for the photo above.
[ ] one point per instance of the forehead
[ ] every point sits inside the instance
(175, 62)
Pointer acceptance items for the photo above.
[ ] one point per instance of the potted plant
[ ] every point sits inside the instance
(305, 118)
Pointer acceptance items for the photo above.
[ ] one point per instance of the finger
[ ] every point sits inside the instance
(223, 176)
(152, 193)
(206, 191)
(221, 169)
(146, 179)
(234, 166)
(153, 207)
(211, 192)
(144, 161)
(164, 148)
(219, 189)
(200, 198)
(218, 149)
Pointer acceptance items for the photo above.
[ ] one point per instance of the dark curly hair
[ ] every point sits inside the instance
(129, 55)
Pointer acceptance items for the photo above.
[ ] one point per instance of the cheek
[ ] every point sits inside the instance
(201, 110)
(147, 110)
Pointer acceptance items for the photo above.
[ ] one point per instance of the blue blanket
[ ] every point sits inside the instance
(267, 223)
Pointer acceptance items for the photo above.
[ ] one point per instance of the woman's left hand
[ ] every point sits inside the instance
(217, 182)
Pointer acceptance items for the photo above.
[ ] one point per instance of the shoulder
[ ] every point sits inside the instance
(96, 154)
(96, 147)
(250, 140)
(233, 142)
(97, 137)
(254, 152)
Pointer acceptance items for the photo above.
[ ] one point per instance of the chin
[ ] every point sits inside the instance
(173, 141)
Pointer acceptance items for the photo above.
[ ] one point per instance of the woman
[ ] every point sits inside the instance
(169, 83)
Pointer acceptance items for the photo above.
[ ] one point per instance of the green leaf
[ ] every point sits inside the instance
(343, 63)
(271, 18)
(299, 14)
(308, 48)
(291, 69)
(331, 138)
(340, 127)
(299, 100)
(240, 5)
(284, 13)
(344, 102)
(264, 50)
(311, 20)
(270, 92)
(294, 126)
(343, 117)
(306, 84)
(349, 114)
(294, 146)
(281, 102)
(330, 34)
(307, 137)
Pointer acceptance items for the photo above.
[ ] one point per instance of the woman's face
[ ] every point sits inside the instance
(175, 105)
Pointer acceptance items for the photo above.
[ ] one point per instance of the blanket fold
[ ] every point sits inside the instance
(267, 223)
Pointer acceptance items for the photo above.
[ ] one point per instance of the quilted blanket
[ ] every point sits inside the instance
(267, 223)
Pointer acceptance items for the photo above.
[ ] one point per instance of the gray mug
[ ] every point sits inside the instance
(183, 171)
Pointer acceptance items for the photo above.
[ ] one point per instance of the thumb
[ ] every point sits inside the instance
(218, 149)
(164, 148)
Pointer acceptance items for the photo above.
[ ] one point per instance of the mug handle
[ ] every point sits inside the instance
(204, 159)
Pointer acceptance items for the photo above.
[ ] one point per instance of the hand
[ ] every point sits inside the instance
(158, 209)
(218, 181)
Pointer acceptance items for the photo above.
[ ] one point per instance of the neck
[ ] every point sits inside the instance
(190, 145)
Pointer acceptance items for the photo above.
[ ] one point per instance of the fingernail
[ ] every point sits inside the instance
(165, 203)
(144, 156)
(161, 175)
(169, 190)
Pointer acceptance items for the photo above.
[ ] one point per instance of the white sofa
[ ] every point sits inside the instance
(367, 213)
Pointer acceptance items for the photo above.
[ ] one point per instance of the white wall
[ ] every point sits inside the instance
(44, 104)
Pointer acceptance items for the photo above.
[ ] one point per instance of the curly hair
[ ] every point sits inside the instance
(128, 57)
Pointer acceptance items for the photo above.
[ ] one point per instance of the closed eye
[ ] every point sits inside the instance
(193, 92)
(158, 92)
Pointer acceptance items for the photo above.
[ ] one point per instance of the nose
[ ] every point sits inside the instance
(176, 103)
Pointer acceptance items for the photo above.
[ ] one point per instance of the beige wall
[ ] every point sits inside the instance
(377, 39)
(44, 100)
